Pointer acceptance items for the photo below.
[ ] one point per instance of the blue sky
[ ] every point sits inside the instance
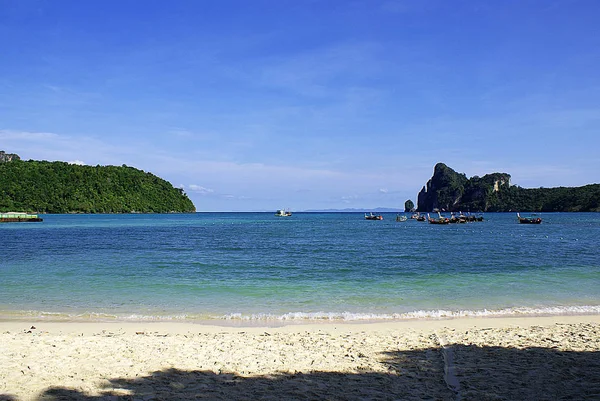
(260, 105)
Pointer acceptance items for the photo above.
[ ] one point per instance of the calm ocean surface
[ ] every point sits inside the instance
(258, 267)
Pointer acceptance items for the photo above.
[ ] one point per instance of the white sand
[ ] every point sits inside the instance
(471, 358)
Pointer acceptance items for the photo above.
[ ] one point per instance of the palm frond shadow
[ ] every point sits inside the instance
(483, 373)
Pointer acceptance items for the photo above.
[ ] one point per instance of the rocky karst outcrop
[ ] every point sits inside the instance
(443, 191)
(7, 157)
(450, 191)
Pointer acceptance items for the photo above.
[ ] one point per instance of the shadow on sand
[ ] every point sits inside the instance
(479, 373)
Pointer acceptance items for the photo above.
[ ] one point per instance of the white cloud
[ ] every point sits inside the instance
(52, 146)
(10, 135)
(200, 189)
(313, 73)
(77, 162)
(180, 133)
(349, 198)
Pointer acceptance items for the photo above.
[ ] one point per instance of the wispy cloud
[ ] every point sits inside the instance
(53, 146)
(200, 189)
(320, 72)
(17, 136)
(180, 133)
(396, 6)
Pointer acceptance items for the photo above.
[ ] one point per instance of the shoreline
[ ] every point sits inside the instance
(516, 358)
(296, 318)
(212, 326)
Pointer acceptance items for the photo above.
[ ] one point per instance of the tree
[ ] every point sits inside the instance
(59, 187)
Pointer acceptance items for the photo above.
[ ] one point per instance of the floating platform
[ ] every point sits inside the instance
(18, 217)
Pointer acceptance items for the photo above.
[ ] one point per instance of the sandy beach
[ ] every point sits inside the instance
(525, 358)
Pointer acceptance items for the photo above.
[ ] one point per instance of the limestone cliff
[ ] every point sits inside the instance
(450, 191)
(443, 191)
(7, 157)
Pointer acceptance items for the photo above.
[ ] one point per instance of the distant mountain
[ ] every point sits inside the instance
(357, 210)
(448, 190)
(59, 187)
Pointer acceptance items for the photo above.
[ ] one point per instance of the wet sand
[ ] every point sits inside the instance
(524, 358)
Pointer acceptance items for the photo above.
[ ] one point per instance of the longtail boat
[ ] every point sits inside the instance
(529, 220)
(440, 220)
(372, 216)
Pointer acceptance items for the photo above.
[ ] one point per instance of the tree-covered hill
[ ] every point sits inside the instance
(59, 187)
(450, 191)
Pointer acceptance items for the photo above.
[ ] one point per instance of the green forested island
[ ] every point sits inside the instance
(60, 187)
(450, 191)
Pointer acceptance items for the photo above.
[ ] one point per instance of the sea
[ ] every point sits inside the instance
(256, 268)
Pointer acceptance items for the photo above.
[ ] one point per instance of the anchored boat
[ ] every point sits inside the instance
(283, 213)
(401, 218)
(371, 216)
(418, 216)
(440, 220)
(19, 217)
(533, 219)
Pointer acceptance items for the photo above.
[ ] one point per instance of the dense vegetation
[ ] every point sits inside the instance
(451, 191)
(59, 187)
(561, 199)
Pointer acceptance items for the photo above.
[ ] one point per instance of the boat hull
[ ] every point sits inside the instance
(19, 217)
(20, 220)
(530, 221)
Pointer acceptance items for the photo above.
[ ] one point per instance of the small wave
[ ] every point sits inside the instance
(302, 316)
(90, 316)
(421, 314)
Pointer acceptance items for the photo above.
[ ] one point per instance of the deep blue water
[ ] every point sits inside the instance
(308, 266)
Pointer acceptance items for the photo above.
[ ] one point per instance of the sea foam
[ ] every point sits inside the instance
(420, 314)
(302, 316)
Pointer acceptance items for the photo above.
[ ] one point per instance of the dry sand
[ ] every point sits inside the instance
(541, 358)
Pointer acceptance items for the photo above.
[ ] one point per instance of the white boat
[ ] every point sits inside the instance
(371, 216)
(13, 217)
(283, 213)
(400, 218)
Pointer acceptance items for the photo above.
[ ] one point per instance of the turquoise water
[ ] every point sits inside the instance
(255, 266)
